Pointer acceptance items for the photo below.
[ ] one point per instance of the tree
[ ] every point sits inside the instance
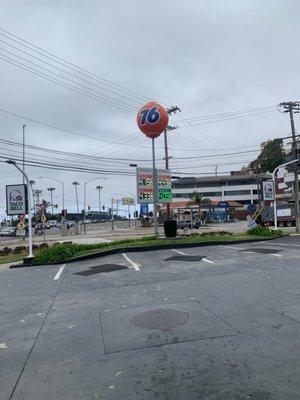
(197, 198)
(270, 157)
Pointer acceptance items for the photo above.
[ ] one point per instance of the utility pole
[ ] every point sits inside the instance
(170, 111)
(292, 107)
(24, 127)
(51, 189)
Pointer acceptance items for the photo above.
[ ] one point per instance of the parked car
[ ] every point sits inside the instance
(9, 231)
(187, 224)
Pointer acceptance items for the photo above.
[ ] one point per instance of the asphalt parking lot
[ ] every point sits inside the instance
(211, 323)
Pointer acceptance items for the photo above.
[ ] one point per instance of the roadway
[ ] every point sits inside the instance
(217, 323)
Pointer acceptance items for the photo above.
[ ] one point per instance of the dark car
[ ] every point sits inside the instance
(9, 231)
(188, 225)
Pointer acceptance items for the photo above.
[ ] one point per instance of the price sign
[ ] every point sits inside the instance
(164, 195)
(145, 185)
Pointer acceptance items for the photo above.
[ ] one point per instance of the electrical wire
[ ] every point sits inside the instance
(63, 84)
(68, 64)
(63, 70)
(230, 113)
(13, 143)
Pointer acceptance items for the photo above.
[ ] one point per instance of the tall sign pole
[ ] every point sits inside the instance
(152, 119)
(154, 190)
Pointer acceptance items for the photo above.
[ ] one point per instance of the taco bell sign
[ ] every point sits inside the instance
(16, 199)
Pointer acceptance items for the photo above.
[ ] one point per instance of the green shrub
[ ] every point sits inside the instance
(203, 234)
(57, 253)
(264, 231)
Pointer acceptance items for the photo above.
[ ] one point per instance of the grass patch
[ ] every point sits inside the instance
(60, 252)
(9, 258)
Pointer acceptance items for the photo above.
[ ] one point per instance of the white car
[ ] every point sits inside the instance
(9, 231)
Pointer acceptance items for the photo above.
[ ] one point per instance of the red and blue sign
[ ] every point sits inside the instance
(152, 119)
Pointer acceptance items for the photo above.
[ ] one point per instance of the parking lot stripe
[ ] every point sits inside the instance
(288, 244)
(184, 254)
(276, 255)
(132, 263)
(208, 261)
(59, 272)
(230, 247)
(179, 252)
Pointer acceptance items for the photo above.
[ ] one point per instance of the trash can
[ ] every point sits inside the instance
(170, 227)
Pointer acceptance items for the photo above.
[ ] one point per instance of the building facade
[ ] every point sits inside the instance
(243, 189)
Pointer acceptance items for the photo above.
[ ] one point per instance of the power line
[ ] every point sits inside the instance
(62, 70)
(119, 142)
(230, 118)
(72, 132)
(63, 84)
(68, 64)
(109, 98)
(230, 113)
(13, 143)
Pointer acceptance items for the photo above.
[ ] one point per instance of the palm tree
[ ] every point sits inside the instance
(197, 198)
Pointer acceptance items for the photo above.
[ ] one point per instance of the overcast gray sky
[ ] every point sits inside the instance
(207, 57)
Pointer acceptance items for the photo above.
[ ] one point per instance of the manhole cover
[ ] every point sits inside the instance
(262, 251)
(185, 258)
(98, 269)
(160, 319)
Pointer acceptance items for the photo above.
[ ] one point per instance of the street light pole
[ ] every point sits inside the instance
(30, 255)
(51, 189)
(274, 183)
(99, 187)
(75, 183)
(62, 188)
(84, 200)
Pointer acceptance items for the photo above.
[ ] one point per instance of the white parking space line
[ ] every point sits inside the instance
(185, 254)
(288, 244)
(132, 263)
(208, 261)
(59, 272)
(179, 252)
(276, 255)
(231, 247)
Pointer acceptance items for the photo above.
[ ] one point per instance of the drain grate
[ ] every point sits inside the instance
(163, 319)
(98, 269)
(185, 258)
(259, 250)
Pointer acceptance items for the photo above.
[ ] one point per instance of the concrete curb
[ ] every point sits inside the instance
(103, 253)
